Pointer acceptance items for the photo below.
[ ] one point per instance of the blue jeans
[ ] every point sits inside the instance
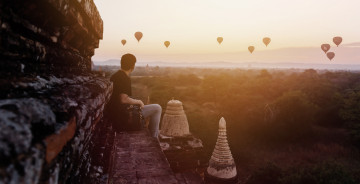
(154, 112)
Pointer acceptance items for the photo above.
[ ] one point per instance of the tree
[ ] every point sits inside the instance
(294, 115)
(351, 114)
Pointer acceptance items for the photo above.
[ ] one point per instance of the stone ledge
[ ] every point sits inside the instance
(137, 158)
(56, 142)
(53, 125)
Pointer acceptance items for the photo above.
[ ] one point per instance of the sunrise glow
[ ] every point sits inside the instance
(193, 26)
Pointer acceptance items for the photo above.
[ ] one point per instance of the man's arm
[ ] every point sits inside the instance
(125, 99)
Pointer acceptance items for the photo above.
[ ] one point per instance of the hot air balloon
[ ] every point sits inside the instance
(266, 41)
(220, 39)
(251, 49)
(167, 43)
(330, 55)
(138, 36)
(337, 40)
(325, 47)
(123, 42)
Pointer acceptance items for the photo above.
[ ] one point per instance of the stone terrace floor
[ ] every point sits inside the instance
(138, 158)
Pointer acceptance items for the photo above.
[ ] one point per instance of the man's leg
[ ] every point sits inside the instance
(154, 112)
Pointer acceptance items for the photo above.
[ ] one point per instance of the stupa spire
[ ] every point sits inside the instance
(222, 165)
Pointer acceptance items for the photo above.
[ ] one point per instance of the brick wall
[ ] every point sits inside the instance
(51, 105)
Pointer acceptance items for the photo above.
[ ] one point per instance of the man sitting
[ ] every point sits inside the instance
(122, 93)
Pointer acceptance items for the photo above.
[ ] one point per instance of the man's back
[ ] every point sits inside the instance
(121, 85)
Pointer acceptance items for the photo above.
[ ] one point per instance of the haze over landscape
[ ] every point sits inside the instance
(297, 29)
(208, 92)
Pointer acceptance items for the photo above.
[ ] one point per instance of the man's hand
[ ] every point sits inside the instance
(141, 104)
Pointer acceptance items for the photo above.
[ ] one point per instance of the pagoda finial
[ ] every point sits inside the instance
(221, 165)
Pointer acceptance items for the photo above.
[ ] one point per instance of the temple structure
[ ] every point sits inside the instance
(222, 168)
(51, 103)
(183, 150)
(174, 122)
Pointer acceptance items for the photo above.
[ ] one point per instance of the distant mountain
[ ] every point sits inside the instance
(115, 62)
(253, 65)
(355, 44)
(347, 56)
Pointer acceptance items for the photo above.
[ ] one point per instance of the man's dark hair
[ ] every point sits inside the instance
(128, 61)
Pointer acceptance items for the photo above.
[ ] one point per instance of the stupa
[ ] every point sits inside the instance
(222, 168)
(174, 122)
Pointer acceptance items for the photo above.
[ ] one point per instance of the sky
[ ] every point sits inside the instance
(192, 27)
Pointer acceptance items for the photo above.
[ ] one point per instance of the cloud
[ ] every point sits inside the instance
(354, 44)
(344, 54)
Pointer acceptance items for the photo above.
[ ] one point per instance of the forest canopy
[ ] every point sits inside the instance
(286, 118)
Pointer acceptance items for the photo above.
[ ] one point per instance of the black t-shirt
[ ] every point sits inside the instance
(121, 85)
